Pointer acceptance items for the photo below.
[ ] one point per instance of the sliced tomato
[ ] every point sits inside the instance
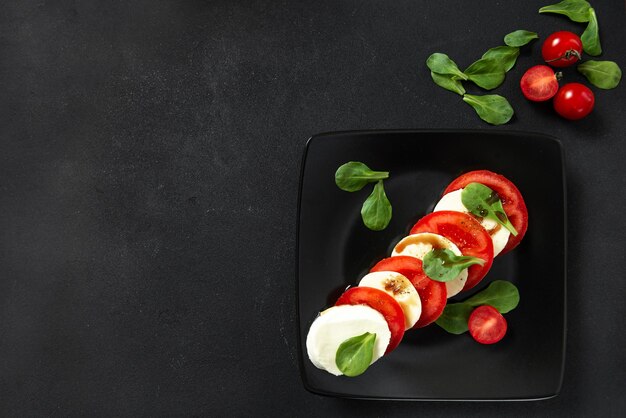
(487, 325)
(512, 200)
(466, 233)
(383, 303)
(539, 83)
(433, 295)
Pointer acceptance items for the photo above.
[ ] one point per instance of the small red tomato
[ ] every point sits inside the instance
(562, 49)
(487, 325)
(574, 101)
(539, 83)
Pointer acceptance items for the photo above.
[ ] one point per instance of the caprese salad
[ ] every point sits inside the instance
(480, 215)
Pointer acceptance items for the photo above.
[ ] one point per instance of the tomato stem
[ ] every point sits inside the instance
(567, 56)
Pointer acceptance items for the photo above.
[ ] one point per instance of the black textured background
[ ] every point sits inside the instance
(149, 160)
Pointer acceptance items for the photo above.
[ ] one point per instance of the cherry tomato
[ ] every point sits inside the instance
(574, 101)
(562, 49)
(466, 233)
(433, 294)
(487, 325)
(512, 200)
(383, 303)
(539, 83)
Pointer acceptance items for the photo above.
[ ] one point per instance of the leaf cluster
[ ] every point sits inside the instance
(376, 210)
(488, 73)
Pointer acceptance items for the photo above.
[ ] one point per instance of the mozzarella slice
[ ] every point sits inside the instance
(337, 324)
(418, 245)
(402, 290)
(499, 234)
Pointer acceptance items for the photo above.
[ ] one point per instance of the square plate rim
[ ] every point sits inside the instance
(491, 132)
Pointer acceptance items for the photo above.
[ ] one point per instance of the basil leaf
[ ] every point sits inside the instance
(443, 265)
(491, 108)
(442, 64)
(520, 38)
(602, 74)
(500, 294)
(447, 82)
(504, 55)
(486, 73)
(576, 10)
(355, 175)
(454, 317)
(355, 354)
(590, 37)
(481, 201)
(376, 210)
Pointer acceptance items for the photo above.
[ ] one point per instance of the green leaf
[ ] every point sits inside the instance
(602, 74)
(500, 294)
(355, 354)
(454, 317)
(442, 64)
(520, 38)
(591, 37)
(443, 265)
(486, 73)
(481, 201)
(355, 175)
(576, 10)
(505, 56)
(447, 82)
(491, 108)
(376, 210)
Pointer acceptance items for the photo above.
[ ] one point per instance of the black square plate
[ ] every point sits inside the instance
(335, 250)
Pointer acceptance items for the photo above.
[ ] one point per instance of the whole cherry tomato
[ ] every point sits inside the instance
(562, 49)
(574, 101)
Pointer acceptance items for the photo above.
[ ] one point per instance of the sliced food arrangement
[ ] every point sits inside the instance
(480, 215)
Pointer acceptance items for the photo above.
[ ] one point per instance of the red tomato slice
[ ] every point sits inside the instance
(487, 325)
(432, 294)
(466, 233)
(512, 200)
(383, 303)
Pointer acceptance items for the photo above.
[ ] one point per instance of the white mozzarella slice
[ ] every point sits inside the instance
(402, 290)
(499, 235)
(418, 245)
(337, 324)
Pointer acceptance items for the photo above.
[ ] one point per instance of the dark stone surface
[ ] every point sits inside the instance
(149, 162)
